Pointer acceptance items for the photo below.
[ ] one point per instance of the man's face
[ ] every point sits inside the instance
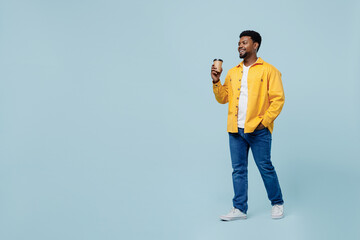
(246, 46)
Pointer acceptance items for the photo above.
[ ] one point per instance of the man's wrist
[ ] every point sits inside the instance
(216, 81)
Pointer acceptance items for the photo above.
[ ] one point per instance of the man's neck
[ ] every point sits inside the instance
(250, 60)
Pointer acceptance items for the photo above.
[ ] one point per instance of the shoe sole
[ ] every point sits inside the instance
(225, 219)
(277, 217)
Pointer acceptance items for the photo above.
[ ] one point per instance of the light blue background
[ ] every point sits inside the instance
(109, 128)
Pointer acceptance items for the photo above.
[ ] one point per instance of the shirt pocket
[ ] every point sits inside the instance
(257, 84)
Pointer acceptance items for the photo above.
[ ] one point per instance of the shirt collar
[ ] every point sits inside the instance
(258, 61)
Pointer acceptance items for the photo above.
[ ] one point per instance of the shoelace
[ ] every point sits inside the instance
(276, 208)
(233, 210)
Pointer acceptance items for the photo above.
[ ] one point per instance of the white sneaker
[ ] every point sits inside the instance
(277, 211)
(234, 214)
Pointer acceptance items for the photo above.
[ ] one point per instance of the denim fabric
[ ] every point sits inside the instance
(260, 143)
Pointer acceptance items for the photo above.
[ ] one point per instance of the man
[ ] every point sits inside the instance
(255, 95)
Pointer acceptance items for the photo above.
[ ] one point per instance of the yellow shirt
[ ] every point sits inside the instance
(265, 95)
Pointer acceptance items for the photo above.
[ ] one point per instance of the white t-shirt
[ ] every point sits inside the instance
(243, 99)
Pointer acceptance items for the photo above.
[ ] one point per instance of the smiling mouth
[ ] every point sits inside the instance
(242, 51)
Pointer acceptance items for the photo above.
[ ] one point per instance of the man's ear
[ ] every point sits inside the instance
(256, 45)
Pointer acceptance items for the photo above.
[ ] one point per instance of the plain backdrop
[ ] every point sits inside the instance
(109, 128)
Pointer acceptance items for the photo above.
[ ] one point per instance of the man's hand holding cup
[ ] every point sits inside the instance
(216, 70)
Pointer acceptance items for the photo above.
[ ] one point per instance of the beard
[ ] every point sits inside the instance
(243, 56)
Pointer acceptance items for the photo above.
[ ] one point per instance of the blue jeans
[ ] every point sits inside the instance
(260, 143)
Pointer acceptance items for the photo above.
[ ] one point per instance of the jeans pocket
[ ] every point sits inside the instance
(259, 132)
(260, 129)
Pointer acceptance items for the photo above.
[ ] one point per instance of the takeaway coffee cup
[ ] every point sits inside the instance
(218, 63)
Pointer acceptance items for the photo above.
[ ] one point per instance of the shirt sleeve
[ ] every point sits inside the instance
(276, 97)
(221, 91)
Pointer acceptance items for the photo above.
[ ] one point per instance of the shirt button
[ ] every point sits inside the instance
(237, 98)
(239, 89)
(235, 115)
(236, 106)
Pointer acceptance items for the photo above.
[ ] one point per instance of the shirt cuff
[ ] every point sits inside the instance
(265, 122)
(217, 84)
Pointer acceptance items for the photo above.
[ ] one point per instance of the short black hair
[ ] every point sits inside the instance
(255, 36)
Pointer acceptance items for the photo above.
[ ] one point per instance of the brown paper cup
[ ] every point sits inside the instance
(218, 64)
